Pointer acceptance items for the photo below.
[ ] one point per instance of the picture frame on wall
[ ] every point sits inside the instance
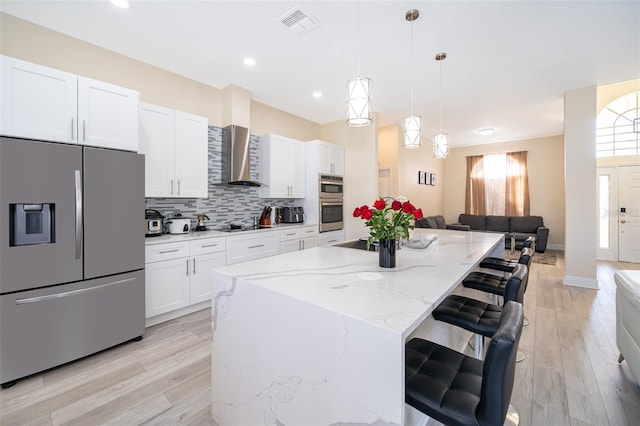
(421, 177)
(427, 178)
(432, 179)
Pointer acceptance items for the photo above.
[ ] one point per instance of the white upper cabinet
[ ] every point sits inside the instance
(107, 115)
(282, 167)
(191, 155)
(175, 145)
(328, 157)
(44, 103)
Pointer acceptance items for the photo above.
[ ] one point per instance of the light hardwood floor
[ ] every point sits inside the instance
(569, 377)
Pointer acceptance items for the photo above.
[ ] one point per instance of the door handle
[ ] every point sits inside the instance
(194, 266)
(78, 186)
(623, 221)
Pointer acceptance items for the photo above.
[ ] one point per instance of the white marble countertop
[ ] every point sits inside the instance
(349, 281)
(172, 238)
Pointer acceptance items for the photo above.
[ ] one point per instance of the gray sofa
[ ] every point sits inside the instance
(438, 222)
(521, 227)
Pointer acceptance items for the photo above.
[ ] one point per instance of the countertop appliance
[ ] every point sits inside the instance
(178, 225)
(201, 226)
(153, 223)
(292, 215)
(75, 286)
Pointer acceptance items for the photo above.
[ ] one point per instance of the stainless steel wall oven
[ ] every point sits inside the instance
(330, 187)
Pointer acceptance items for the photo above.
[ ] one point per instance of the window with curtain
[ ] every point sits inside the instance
(497, 184)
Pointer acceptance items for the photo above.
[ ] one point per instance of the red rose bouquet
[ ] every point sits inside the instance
(389, 219)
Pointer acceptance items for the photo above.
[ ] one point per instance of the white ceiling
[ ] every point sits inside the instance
(508, 66)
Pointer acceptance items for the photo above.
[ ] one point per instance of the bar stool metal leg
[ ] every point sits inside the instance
(478, 349)
(513, 418)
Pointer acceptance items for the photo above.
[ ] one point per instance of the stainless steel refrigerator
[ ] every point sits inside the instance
(71, 253)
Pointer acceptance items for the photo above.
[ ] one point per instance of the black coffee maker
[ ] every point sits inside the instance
(201, 226)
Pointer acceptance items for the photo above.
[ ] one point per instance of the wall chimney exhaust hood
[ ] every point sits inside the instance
(236, 158)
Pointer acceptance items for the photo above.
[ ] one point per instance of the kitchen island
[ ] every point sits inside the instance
(317, 336)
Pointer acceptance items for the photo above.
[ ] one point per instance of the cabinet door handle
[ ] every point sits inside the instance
(171, 186)
(194, 266)
(72, 132)
(84, 131)
(259, 245)
(332, 241)
(187, 266)
(293, 233)
(209, 245)
(178, 186)
(168, 251)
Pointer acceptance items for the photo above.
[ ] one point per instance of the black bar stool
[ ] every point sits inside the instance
(506, 265)
(456, 389)
(480, 317)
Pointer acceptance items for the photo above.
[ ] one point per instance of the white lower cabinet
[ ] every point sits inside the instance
(298, 239)
(331, 237)
(206, 254)
(167, 286)
(178, 275)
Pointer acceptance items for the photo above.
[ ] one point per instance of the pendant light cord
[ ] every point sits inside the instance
(440, 95)
(411, 67)
(358, 39)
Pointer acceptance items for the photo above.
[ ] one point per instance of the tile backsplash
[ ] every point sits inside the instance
(226, 204)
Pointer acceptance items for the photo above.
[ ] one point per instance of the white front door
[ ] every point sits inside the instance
(629, 214)
(384, 182)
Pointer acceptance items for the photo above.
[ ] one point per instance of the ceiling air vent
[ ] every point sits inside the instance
(298, 21)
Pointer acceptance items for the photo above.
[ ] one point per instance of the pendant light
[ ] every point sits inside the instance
(413, 123)
(440, 141)
(359, 112)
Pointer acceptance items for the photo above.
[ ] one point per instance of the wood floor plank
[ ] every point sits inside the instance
(115, 398)
(547, 342)
(140, 412)
(549, 405)
(583, 393)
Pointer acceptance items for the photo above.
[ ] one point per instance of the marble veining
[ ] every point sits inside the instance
(316, 337)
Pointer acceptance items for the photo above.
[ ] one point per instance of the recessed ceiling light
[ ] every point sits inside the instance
(486, 131)
(121, 3)
(249, 62)
(317, 95)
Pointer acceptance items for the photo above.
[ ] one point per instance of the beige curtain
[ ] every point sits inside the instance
(517, 185)
(474, 200)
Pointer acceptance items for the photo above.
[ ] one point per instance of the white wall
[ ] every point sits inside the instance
(580, 184)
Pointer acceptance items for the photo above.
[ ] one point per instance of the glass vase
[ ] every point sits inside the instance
(387, 253)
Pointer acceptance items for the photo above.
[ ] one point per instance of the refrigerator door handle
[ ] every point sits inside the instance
(78, 183)
(69, 293)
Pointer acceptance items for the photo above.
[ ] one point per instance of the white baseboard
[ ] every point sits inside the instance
(555, 247)
(177, 313)
(580, 282)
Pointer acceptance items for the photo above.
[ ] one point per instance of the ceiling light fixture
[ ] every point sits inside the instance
(317, 95)
(412, 124)
(440, 141)
(486, 131)
(249, 62)
(121, 3)
(359, 112)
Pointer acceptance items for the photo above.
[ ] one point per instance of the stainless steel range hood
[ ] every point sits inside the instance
(236, 158)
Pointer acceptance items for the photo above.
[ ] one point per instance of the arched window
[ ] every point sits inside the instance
(618, 127)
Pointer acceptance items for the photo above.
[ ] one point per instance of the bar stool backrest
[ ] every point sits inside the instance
(516, 285)
(499, 367)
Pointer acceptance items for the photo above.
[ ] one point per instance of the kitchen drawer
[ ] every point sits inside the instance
(208, 245)
(309, 231)
(329, 238)
(290, 234)
(160, 252)
(248, 247)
